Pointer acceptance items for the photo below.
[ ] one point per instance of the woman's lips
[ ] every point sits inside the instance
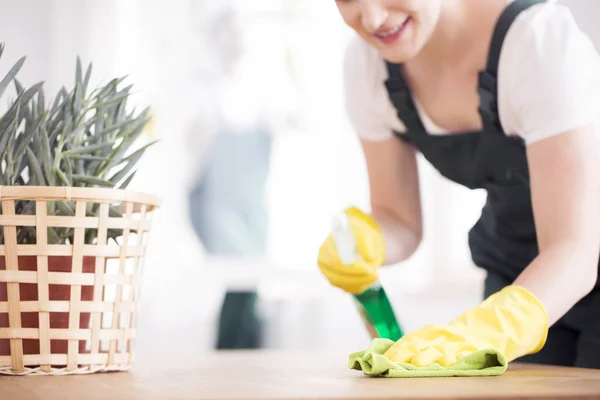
(387, 36)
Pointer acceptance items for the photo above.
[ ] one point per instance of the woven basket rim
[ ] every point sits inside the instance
(69, 193)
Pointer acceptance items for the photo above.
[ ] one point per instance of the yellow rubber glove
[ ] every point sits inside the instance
(370, 244)
(512, 321)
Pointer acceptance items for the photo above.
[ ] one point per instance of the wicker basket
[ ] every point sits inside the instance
(71, 308)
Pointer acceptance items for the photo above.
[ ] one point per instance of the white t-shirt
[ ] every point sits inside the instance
(548, 80)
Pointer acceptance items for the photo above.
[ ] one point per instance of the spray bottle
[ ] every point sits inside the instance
(373, 304)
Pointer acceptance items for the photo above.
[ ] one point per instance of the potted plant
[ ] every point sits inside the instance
(85, 141)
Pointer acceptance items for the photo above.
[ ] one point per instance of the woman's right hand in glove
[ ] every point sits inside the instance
(358, 277)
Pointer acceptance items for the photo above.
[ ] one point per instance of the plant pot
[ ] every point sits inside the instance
(46, 340)
(29, 292)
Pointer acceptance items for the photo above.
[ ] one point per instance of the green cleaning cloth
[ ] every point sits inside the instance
(372, 362)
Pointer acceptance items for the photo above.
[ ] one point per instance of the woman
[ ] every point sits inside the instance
(500, 95)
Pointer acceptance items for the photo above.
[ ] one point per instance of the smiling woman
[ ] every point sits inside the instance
(392, 34)
(398, 29)
(496, 95)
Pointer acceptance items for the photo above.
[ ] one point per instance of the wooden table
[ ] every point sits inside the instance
(285, 375)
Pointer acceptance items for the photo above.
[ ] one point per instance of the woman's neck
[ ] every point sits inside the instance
(461, 39)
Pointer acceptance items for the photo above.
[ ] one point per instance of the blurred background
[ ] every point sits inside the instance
(255, 157)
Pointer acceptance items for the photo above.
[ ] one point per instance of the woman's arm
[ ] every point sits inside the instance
(395, 195)
(565, 190)
(565, 182)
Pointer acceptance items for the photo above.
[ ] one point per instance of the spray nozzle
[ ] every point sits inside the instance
(344, 240)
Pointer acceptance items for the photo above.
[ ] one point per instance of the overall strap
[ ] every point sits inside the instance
(488, 79)
(401, 98)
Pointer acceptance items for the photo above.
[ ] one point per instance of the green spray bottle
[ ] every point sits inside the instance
(373, 304)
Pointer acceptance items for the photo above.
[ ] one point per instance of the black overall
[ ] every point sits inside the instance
(503, 241)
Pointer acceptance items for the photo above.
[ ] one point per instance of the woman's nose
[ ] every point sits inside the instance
(373, 14)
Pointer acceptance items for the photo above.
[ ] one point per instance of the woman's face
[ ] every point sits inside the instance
(397, 28)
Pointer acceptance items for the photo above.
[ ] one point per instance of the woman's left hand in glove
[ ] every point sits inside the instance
(512, 321)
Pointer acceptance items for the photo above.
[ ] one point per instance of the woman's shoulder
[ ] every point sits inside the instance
(546, 29)
(548, 66)
(366, 100)
(363, 64)
(543, 9)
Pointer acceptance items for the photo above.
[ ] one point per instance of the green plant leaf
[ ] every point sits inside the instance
(18, 86)
(57, 115)
(78, 71)
(82, 133)
(26, 235)
(99, 122)
(36, 168)
(68, 110)
(87, 157)
(108, 102)
(61, 175)
(65, 208)
(114, 212)
(129, 138)
(55, 104)
(47, 161)
(116, 178)
(110, 87)
(69, 169)
(92, 165)
(19, 102)
(41, 103)
(21, 163)
(27, 136)
(127, 181)
(11, 75)
(35, 141)
(88, 149)
(53, 238)
(54, 133)
(8, 135)
(86, 81)
(91, 181)
(115, 127)
(77, 100)
(130, 161)
(28, 94)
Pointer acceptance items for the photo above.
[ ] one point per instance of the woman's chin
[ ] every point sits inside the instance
(398, 55)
